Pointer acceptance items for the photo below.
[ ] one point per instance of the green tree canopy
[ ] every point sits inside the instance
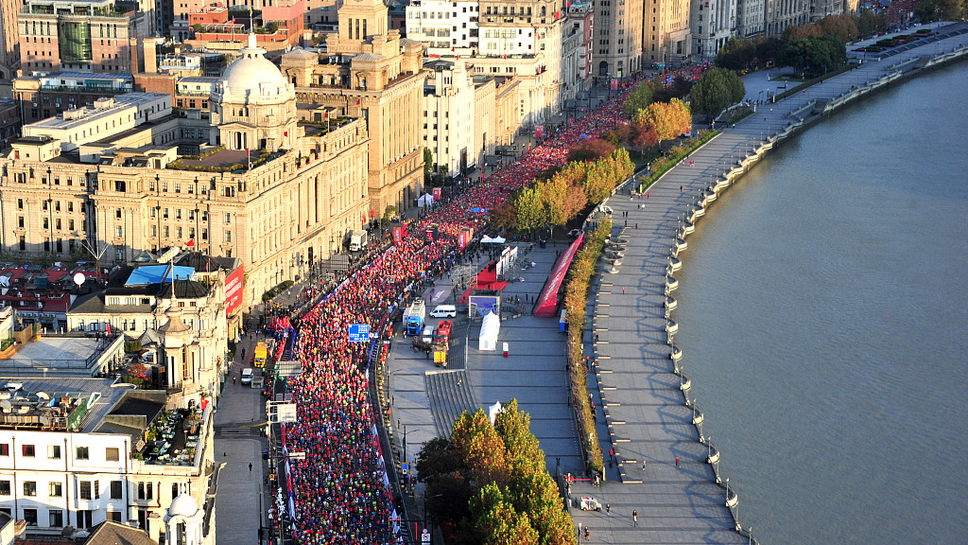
(428, 157)
(716, 89)
(813, 55)
(639, 98)
(497, 522)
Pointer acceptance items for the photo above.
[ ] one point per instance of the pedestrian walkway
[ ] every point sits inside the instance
(534, 373)
(662, 460)
(239, 446)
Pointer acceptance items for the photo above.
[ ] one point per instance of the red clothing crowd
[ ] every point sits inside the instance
(340, 490)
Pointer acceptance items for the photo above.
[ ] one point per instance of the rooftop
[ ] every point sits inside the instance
(55, 355)
(87, 402)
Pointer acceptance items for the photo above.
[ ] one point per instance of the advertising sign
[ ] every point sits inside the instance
(538, 131)
(480, 305)
(437, 193)
(233, 290)
(397, 235)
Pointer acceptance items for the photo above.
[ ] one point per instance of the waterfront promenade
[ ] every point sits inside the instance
(642, 391)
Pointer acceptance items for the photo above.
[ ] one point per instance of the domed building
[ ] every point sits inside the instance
(183, 522)
(253, 106)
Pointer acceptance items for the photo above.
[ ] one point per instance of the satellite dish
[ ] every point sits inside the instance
(43, 395)
(79, 278)
(5, 406)
(5, 281)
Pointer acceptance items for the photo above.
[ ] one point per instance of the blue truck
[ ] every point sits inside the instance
(414, 317)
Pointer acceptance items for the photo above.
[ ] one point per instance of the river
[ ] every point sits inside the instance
(823, 305)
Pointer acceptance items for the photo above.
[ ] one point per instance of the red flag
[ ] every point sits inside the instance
(190, 243)
(109, 327)
(327, 115)
(357, 102)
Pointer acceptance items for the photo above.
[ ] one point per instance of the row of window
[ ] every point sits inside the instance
(56, 517)
(111, 454)
(86, 490)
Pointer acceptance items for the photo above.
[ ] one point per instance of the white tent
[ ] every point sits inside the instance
(490, 327)
(426, 201)
(493, 411)
(496, 240)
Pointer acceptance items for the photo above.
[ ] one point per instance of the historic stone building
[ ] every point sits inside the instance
(371, 73)
(258, 185)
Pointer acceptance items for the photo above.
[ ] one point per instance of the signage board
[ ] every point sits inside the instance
(359, 333)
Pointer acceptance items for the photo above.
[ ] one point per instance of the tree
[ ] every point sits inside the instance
(437, 457)
(716, 89)
(513, 425)
(497, 522)
(670, 119)
(839, 27)
(639, 98)
(816, 55)
(428, 157)
(737, 54)
(482, 448)
(272, 27)
(529, 205)
(561, 202)
(590, 149)
(642, 136)
(869, 22)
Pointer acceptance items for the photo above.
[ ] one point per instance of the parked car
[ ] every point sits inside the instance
(574, 233)
(247, 375)
(588, 503)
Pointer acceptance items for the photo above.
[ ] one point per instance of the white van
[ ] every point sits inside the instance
(444, 311)
(247, 375)
(428, 334)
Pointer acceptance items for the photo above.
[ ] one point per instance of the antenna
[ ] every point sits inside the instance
(96, 252)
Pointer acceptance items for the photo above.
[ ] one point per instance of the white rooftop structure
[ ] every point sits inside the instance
(108, 117)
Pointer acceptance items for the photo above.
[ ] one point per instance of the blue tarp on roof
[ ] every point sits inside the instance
(157, 274)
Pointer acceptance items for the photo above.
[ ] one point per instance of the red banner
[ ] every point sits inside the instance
(548, 301)
(397, 235)
(233, 290)
(437, 192)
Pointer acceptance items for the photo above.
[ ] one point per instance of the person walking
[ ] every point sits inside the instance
(608, 508)
(588, 536)
(635, 518)
(677, 461)
(250, 467)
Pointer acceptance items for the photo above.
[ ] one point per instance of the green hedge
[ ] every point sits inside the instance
(271, 294)
(576, 299)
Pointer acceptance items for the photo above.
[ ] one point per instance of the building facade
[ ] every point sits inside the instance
(41, 97)
(714, 22)
(86, 36)
(278, 194)
(371, 73)
(619, 26)
(445, 28)
(666, 31)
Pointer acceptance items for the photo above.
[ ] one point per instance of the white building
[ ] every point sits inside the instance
(449, 122)
(107, 118)
(713, 22)
(78, 452)
(445, 29)
(750, 17)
